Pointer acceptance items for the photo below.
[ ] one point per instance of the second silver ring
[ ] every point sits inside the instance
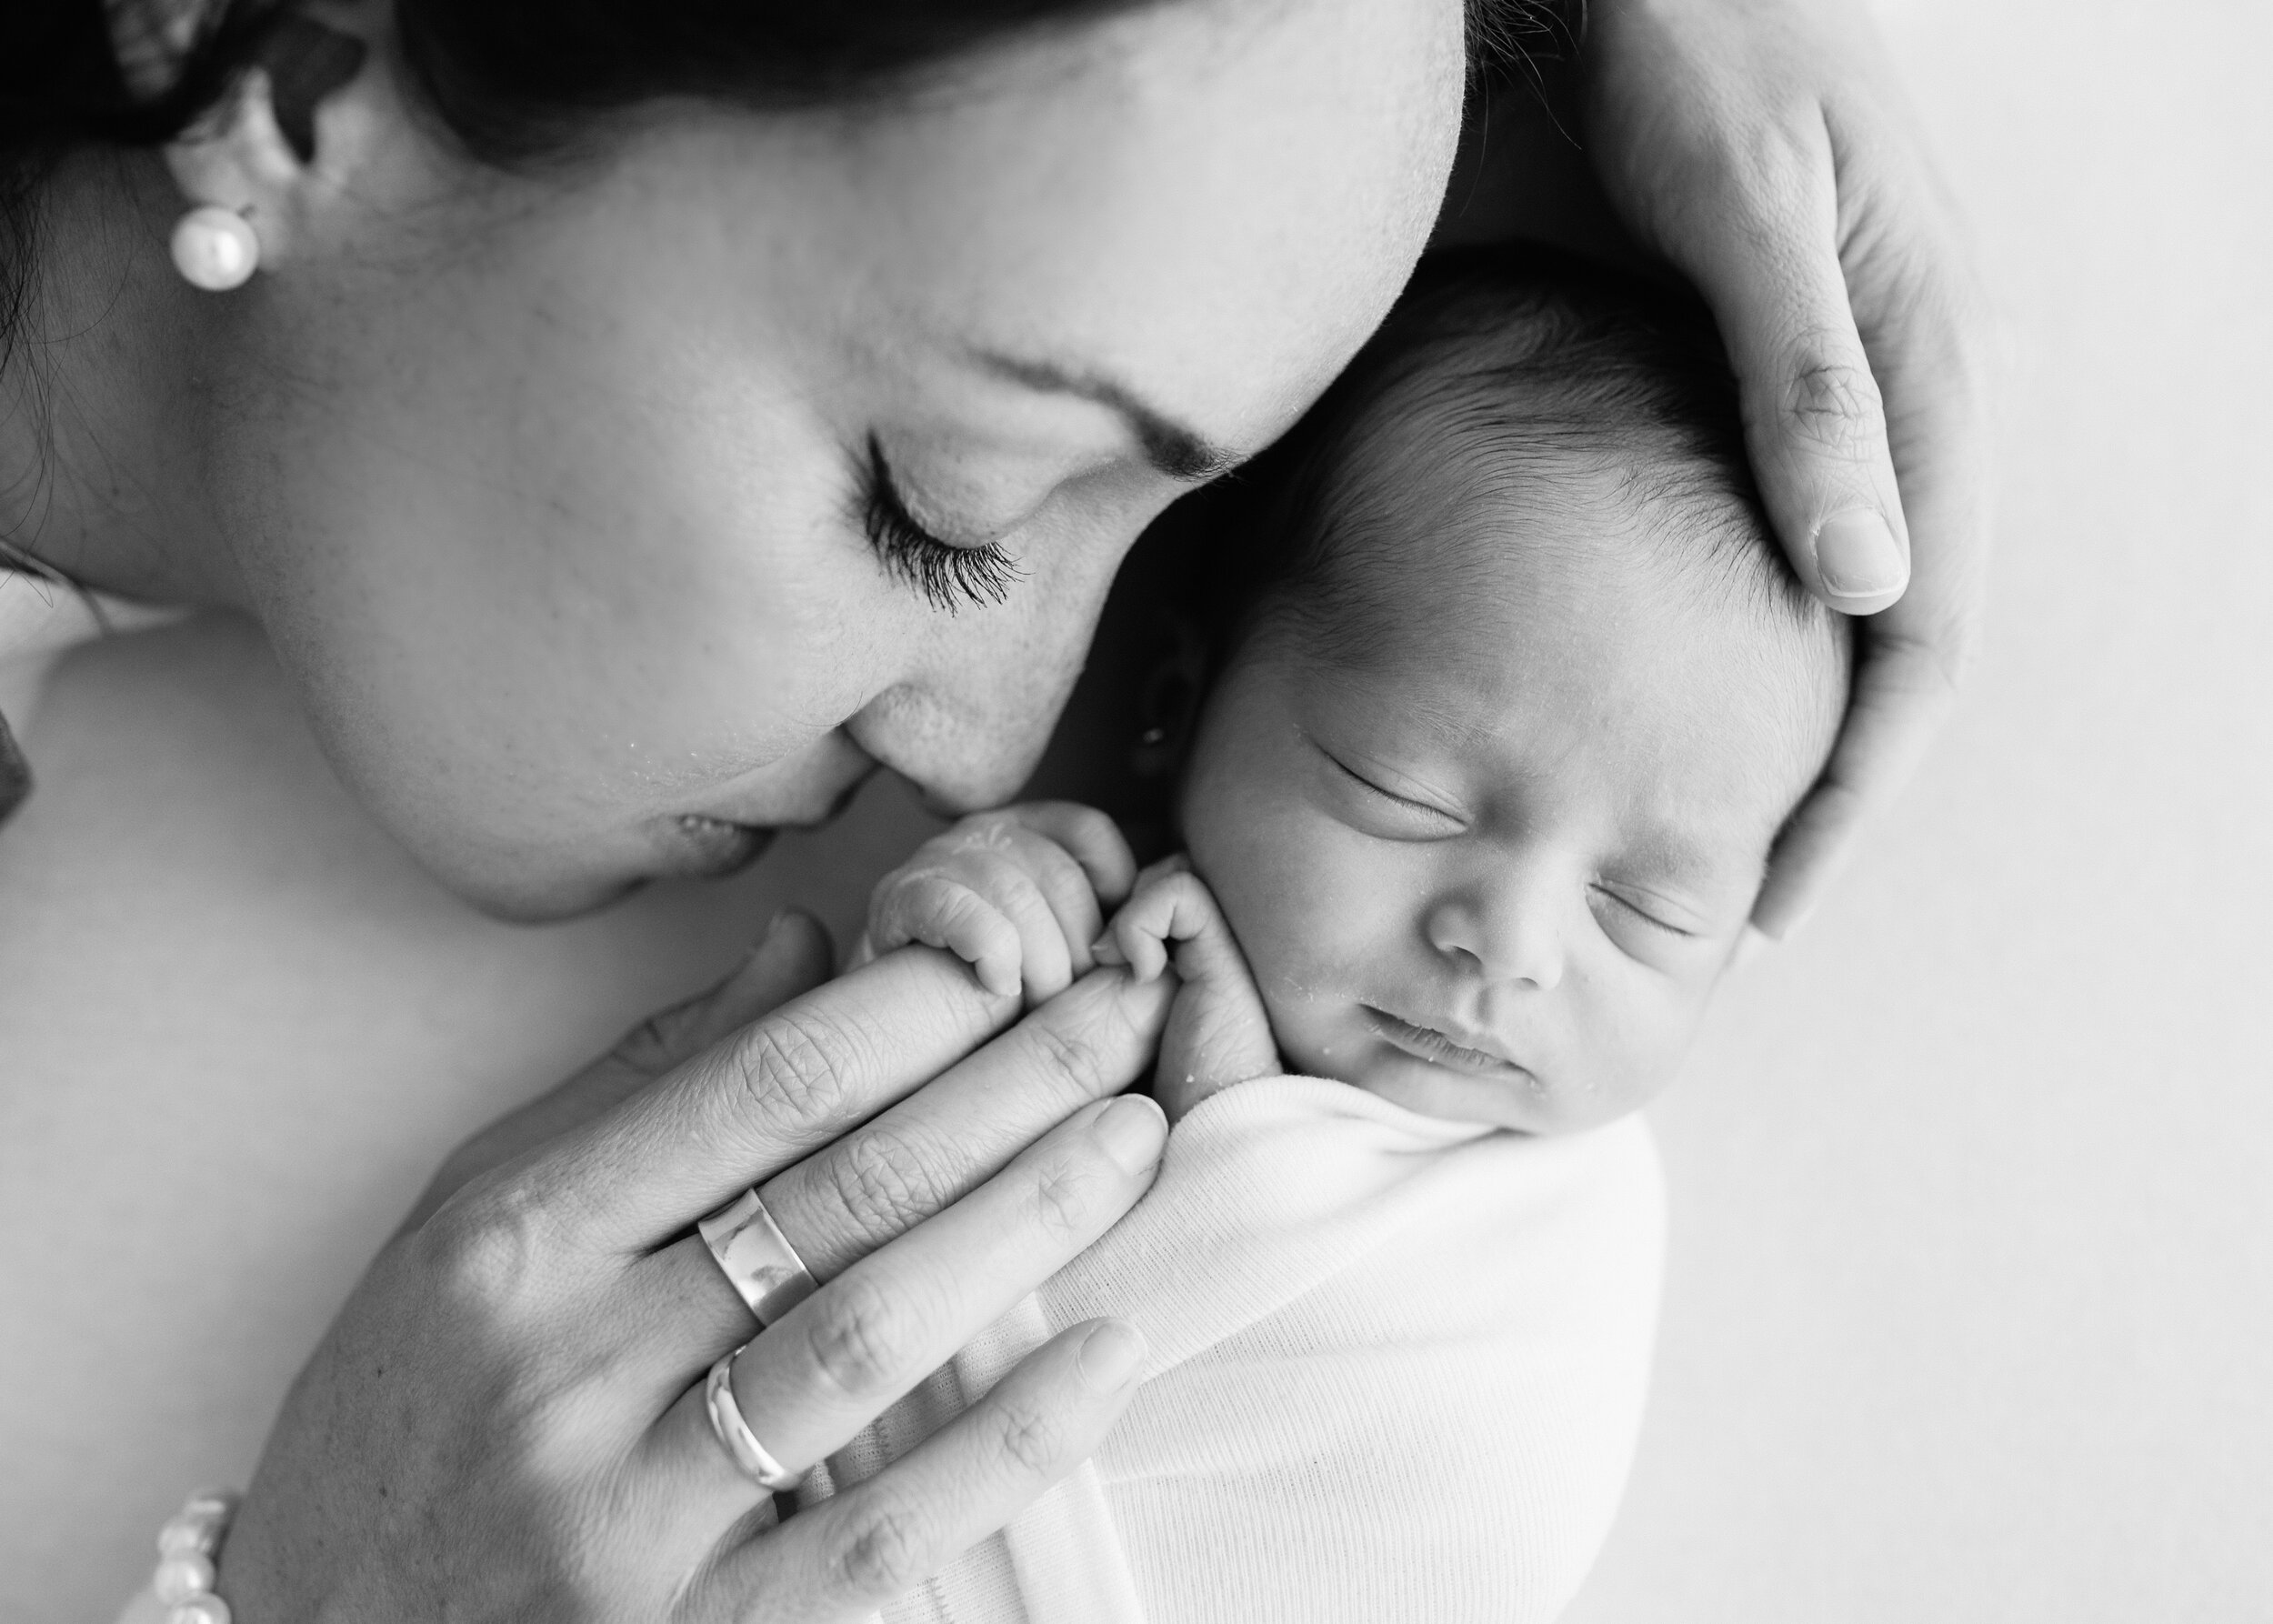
(756, 1257)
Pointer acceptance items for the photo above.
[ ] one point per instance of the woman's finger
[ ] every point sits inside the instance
(756, 1101)
(854, 1553)
(1765, 151)
(1902, 693)
(813, 1380)
(937, 1146)
(1933, 344)
(1815, 422)
(924, 1154)
(835, 1361)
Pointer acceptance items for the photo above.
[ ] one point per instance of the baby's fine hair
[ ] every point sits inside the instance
(1525, 368)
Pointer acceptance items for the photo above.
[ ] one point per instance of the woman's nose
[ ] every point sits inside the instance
(964, 759)
(1506, 935)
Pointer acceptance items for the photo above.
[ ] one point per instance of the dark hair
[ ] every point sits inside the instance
(513, 79)
(510, 78)
(1516, 368)
(1525, 354)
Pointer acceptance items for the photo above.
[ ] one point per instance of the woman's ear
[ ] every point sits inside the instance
(301, 122)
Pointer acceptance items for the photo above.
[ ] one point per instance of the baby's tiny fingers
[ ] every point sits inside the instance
(1093, 839)
(1139, 942)
(1005, 880)
(943, 912)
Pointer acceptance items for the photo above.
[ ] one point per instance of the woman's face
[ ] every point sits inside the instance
(611, 518)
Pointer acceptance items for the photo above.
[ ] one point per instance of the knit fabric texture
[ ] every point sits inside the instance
(1397, 1372)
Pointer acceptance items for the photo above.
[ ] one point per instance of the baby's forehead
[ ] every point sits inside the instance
(1530, 626)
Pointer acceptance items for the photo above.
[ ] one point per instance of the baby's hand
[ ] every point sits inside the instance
(1218, 1032)
(1015, 894)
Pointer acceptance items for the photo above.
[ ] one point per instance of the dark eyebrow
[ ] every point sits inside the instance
(1169, 446)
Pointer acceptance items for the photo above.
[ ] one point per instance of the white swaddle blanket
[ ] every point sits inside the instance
(1397, 1370)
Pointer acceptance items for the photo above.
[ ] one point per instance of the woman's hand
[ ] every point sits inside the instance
(1762, 147)
(506, 1420)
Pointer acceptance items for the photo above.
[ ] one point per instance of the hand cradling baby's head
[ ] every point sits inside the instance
(1489, 784)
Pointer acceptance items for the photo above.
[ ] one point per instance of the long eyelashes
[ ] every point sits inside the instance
(948, 575)
(1643, 915)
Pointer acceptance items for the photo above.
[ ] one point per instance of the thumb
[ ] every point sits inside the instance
(793, 957)
(1815, 423)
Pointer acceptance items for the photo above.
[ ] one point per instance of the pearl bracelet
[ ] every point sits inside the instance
(187, 1545)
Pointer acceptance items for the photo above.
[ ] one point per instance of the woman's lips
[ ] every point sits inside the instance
(709, 848)
(712, 848)
(1427, 1043)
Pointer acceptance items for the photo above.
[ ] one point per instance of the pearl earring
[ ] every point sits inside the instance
(215, 249)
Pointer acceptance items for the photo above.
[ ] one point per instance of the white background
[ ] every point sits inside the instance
(1971, 1275)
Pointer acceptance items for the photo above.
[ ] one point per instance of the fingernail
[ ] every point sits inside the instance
(1750, 945)
(996, 980)
(760, 952)
(1858, 557)
(1131, 1131)
(1110, 1354)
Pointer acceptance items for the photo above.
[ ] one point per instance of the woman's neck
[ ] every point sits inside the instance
(105, 412)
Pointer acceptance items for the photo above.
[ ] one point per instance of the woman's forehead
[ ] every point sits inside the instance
(1208, 217)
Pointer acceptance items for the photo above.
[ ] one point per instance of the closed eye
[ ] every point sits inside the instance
(1643, 914)
(1405, 805)
(948, 575)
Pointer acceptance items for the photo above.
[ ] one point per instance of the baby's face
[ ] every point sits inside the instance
(1493, 871)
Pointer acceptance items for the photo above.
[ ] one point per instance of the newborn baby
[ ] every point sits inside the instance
(1473, 814)
(1477, 805)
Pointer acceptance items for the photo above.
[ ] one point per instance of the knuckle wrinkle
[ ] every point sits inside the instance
(794, 1065)
(887, 1551)
(857, 1340)
(1834, 403)
(883, 1183)
(1030, 1438)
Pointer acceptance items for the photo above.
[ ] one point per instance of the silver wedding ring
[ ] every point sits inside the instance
(757, 1258)
(741, 1444)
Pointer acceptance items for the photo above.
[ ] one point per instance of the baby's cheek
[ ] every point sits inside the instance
(1638, 1039)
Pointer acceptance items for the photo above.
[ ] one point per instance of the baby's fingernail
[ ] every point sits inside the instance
(1858, 557)
(1131, 1131)
(1106, 950)
(1750, 945)
(1110, 1354)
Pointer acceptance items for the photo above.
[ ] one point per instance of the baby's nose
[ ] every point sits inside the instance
(1509, 944)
